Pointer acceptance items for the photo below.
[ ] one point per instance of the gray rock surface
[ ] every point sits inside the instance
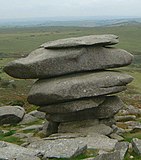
(12, 151)
(116, 136)
(95, 141)
(50, 128)
(37, 114)
(60, 148)
(109, 156)
(11, 114)
(28, 119)
(78, 86)
(122, 147)
(136, 144)
(26, 157)
(125, 118)
(73, 106)
(88, 127)
(102, 40)
(108, 109)
(32, 127)
(43, 63)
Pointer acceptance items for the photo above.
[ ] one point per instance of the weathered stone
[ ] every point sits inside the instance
(28, 119)
(26, 157)
(136, 144)
(11, 114)
(122, 147)
(60, 148)
(32, 127)
(116, 136)
(88, 127)
(95, 141)
(125, 118)
(109, 156)
(98, 141)
(118, 130)
(73, 106)
(43, 63)
(78, 86)
(130, 110)
(37, 114)
(12, 151)
(50, 128)
(102, 40)
(108, 121)
(136, 129)
(110, 107)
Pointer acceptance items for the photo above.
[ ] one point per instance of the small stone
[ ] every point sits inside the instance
(28, 119)
(109, 156)
(11, 114)
(125, 118)
(2, 144)
(136, 144)
(116, 136)
(32, 127)
(37, 114)
(50, 128)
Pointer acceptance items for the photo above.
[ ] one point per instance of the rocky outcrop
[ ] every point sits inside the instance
(74, 90)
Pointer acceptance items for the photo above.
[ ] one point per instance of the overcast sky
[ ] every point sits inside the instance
(52, 8)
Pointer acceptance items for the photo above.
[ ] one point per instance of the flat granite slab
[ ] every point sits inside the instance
(72, 87)
(45, 63)
(106, 39)
(108, 109)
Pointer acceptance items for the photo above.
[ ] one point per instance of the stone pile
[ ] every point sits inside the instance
(74, 82)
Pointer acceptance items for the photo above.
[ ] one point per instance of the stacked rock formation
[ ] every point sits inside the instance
(74, 82)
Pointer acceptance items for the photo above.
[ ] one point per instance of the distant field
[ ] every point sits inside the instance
(24, 40)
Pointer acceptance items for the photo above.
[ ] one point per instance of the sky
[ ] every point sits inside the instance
(11, 9)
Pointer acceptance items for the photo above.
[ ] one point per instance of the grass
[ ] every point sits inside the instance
(8, 137)
(129, 136)
(24, 40)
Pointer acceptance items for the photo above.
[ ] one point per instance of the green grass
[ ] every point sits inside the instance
(129, 136)
(24, 40)
(8, 137)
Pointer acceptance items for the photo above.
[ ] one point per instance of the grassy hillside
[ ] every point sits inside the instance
(24, 40)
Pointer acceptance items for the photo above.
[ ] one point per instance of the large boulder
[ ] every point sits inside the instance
(71, 87)
(44, 63)
(11, 114)
(106, 110)
(92, 40)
